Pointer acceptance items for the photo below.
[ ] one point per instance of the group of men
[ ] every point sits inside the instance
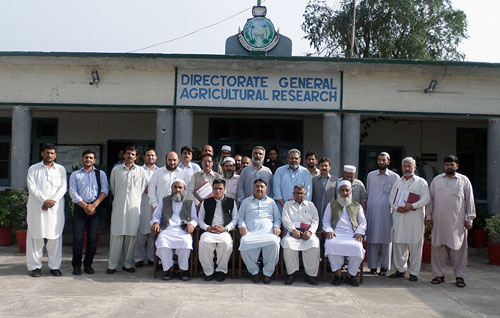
(272, 205)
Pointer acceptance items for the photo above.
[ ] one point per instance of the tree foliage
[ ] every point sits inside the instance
(388, 29)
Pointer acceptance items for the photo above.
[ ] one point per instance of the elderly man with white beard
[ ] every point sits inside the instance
(344, 223)
(231, 178)
(175, 219)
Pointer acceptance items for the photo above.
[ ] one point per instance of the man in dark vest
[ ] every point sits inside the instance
(344, 223)
(218, 216)
(175, 219)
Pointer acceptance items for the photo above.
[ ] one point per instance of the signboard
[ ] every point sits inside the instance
(259, 90)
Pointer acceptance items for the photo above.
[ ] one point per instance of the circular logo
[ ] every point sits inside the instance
(259, 34)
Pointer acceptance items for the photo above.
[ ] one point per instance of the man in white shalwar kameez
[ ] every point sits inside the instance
(174, 219)
(408, 221)
(259, 221)
(218, 216)
(231, 178)
(300, 219)
(344, 223)
(144, 248)
(127, 183)
(47, 186)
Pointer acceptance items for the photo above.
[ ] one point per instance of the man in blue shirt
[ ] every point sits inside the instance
(88, 188)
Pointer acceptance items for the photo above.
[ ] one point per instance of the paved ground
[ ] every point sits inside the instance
(139, 295)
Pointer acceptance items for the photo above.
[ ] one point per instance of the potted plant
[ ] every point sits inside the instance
(5, 220)
(426, 249)
(478, 232)
(18, 200)
(493, 229)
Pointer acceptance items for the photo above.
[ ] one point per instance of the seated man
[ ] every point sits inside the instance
(175, 219)
(221, 213)
(300, 219)
(259, 221)
(344, 223)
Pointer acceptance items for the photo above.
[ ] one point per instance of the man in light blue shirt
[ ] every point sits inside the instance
(286, 177)
(259, 221)
(252, 173)
(88, 187)
(186, 165)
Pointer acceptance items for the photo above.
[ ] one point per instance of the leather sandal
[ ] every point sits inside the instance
(460, 282)
(437, 280)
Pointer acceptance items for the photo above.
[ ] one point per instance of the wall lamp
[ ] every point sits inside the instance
(432, 86)
(95, 78)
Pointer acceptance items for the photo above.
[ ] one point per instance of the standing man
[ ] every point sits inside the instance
(358, 188)
(200, 186)
(225, 152)
(286, 177)
(127, 183)
(144, 248)
(209, 150)
(300, 219)
(245, 162)
(186, 165)
(378, 215)
(237, 164)
(47, 186)
(252, 173)
(408, 219)
(450, 215)
(230, 177)
(88, 187)
(259, 221)
(218, 216)
(311, 162)
(273, 161)
(324, 187)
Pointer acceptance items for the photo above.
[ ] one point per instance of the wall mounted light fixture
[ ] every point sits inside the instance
(95, 78)
(432, 86)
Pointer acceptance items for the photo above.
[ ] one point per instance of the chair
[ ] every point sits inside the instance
(233, 254)
(155, 259)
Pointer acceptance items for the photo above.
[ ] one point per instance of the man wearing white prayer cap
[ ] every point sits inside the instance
(230, 176)
(358, 188)
(344, 223)
(175, 219)
(225, 152)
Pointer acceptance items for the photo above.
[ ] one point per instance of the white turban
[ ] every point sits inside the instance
(345, 183)
(228, 159)
(349, 168)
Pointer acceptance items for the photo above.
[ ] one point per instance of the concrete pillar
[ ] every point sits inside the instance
(331, 140)
(493, 167)
(183, 129)
(350, 139)
(20, 146)
(164, 134)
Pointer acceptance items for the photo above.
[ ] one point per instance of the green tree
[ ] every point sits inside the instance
(388, 29)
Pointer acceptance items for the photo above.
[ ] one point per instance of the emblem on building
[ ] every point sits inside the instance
(258, 34)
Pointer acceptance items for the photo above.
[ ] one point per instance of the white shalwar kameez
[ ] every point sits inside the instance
(174, 237)
(344, 243)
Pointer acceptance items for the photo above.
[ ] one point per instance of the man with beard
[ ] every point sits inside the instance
(218, 216)
(87, 190)
(450, 215)
(286, 177)
(224, 153)
(200, 186)
(408, 220)
(273, 161)
(144, 248)
(344, 224)
(186, 165)
(175, 220)
(230, 178)
(47, 186)
(252, 173)
(237, 164)
(162, 179)
(259, 221)
(311, 162)
(358, 188)
(324, 187)
(378, 215)
(127, 183)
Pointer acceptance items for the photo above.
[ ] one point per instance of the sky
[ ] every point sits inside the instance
(128, 26)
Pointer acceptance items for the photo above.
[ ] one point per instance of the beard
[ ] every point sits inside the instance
(409, 174)
(294, 167)
(171, 168)
(228, 174)
(310, 165)
(177, 197)
(256, 162)
(382, 166)
(450, 172)
(344, 201)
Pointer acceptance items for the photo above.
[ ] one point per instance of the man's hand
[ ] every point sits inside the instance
(358, 237)
(219, 229)
(155, 228)
(409, 206)
(306, 235)
(296, 233)
(243, 230)
(429, 224)
(330, 235)
(402, 209)
(468, 225)
(276, 231)
(47, 204)
(190, 228)
(281, 202)
(90, 209)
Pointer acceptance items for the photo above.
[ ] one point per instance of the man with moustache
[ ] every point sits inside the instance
(378, 215)
(358, 188)
(245, 162)
(344, 224)
(273, 161)
(200, 179)
(174, 219)
(209, 150)
(186, 164)
(237, 164)
(311, 162)
(144, 248)
(252, 173)
(224, 153)
(88, 187)
(324, 187)
(408, 221)
(230, 177)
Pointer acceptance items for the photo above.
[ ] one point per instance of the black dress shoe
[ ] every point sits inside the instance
(209, 277)
(56, 272)
(36, 272)
(397, 274)
(373, 271)
(110, 271)
(290, 279)
(139, 264)
(256, 278)
(413, 278)
(77, 271)
(311, 280)
(88, 270)
(266, 279)
(129, 270)
(337, 280)
(220, 276)
(353, 281)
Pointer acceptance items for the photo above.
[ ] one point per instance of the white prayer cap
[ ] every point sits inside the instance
(345, 183)
(385, 154)
(349, 168)
(179, 180)
(226, 147)
(228, 159)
